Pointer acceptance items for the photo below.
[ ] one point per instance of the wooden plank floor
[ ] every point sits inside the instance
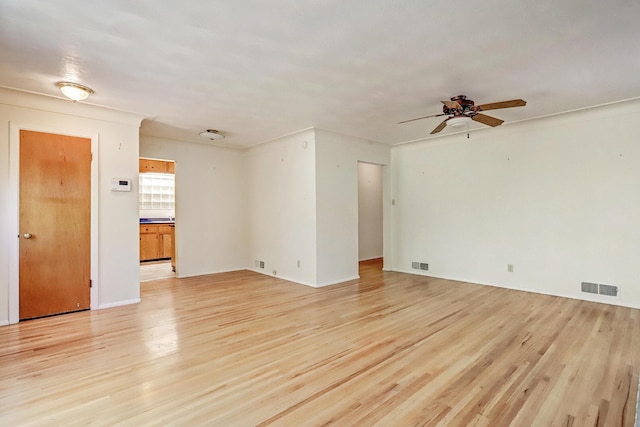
(154, 270)
(391, 349)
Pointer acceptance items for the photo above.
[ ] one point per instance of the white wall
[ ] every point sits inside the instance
(369, 211)
(558, 198)
(211, 205)
(282, 207)
(157, 213)
(115, 265)
(337, 158)
(303, 205)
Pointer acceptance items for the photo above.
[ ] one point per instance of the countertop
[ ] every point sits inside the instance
(157, 221)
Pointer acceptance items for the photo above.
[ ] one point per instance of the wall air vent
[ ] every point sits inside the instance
(591, 288)
(420, 265)
(609, 290)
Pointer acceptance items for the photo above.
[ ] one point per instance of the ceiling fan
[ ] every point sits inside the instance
(462, 110)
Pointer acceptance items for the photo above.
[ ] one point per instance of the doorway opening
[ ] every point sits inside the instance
(157, 219)
(370, 217)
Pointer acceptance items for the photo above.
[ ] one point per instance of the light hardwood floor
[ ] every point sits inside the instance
(391, 349)
(155, 270)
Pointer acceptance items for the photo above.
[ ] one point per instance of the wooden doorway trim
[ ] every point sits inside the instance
(14, 208)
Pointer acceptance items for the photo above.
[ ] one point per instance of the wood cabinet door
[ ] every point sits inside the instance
(158, 166)
(55, 224)
(144, 165)
(149, 248)
(173, 247)
(167, 245)
(148, 165)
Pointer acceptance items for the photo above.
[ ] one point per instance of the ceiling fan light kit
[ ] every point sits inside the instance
(462, 111)
(458, 122)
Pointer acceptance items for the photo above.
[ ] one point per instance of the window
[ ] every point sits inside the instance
(157, 191)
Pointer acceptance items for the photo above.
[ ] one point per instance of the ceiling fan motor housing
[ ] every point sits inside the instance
(460, 106)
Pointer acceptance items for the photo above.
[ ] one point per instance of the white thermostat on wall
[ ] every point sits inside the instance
(120, 184)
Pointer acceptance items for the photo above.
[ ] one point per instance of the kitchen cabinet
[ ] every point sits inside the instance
(158, 166)
(156, 241)
(173, 247)
(166, 241)
(149, 246)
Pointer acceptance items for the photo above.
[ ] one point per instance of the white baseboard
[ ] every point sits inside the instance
(288, 279)
(369, 259)
(296, 281)
(119, 303)
(336, 282)
(612, 301)
(184, 276)
(260, 271)
(4, 323)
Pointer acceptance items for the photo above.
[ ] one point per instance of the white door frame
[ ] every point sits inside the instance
(14, 209)
(387, 214)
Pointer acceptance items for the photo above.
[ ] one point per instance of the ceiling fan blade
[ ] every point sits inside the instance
(440, 126)
(420, 118)
(452, 105)
(503, 104)
(487, 120)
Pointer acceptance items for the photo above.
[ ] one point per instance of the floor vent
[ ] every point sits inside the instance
(415, 265)
(609, 290)
(424, 266)
(591, 288)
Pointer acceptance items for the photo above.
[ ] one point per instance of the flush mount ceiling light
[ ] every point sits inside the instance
(459, 121)
(74, 91)
(211, 134)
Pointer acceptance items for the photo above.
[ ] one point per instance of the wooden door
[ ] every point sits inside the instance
(55, 224)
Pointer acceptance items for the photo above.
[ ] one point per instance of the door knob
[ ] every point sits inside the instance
(27, 235)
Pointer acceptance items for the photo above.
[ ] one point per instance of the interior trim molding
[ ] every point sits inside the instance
(14, 212)
(119, 303)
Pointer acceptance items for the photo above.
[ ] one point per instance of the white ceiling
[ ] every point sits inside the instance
(258, 69)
